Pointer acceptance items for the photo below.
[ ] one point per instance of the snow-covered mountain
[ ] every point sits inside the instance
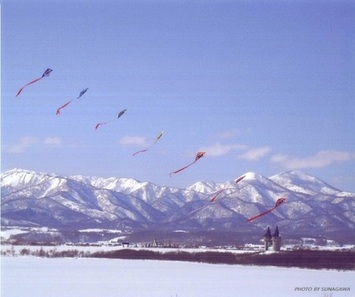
(312, 208)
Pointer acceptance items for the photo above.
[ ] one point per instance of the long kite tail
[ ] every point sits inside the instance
(58, 110)
(156, 140)
(215, 195)
(141, 151)
(100, 124)
(181, 169)
(31, 82)
(277, 204)
(221, 190)
(261, 214)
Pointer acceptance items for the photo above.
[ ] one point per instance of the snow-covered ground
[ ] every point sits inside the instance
(83, 277)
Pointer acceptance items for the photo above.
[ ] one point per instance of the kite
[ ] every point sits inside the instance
(104, 123)
(277, 203)
(239, 179)
(199, 155)
(221, 190)
(66, 104)
(156, 140)
(45, 73)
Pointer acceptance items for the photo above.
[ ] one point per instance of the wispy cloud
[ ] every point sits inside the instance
(52, 141)
(27, 141)
(217, 149)
(254, 154)
(133, 140)
(318, 160)
(22, 144)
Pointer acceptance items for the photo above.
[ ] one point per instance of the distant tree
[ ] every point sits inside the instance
(42, 253)
(25, 252)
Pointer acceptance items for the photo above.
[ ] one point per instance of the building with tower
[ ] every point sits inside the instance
(276, 240)
(272, 242)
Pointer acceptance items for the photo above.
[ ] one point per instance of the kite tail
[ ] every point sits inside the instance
(181, 169)
(260, 215)
(99, 124)
(215, 196)
(31, 82)
(141, 151)
(58, 110)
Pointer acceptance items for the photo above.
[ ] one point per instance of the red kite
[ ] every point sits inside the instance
(197, 157)
(277, 203)
(45, 73)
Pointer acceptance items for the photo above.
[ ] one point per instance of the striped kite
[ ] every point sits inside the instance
(104, 123)
(156, 140)
(198, 156)
(45, 73)
(66, 104)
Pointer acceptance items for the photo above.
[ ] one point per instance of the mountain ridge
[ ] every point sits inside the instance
(313, 207)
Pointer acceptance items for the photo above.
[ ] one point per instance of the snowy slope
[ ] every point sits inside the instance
(297, 181)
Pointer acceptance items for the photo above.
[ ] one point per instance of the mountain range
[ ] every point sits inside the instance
(312, 208)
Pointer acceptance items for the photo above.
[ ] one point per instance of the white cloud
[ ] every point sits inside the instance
(52, 141)
(217, 149)
(133, 140)
(318, 160)
(255, 154)
(22, 145)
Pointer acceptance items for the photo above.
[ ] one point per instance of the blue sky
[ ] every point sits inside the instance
(263, 86)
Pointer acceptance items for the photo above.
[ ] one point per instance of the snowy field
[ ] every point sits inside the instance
(85, 277)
